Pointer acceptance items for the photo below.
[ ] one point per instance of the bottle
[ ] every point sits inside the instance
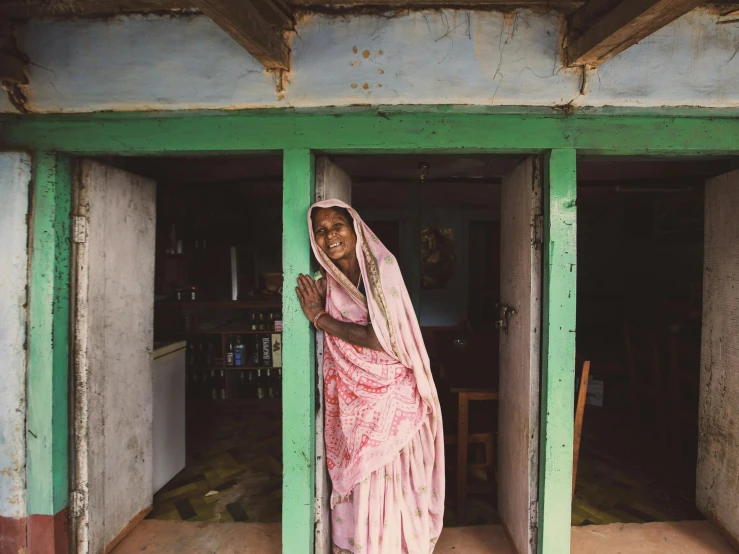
(262, 325)
(279, 382)
(239, 352)
(251, 390)
(271, 324)
(261, 390)
(276, 350)
(230, 352)
(270, 385)
(223, 394)
(254, 321)
(190, 357)
(256, 347)
(201, 354)
(209, 354)
(266, 343)
(242, 384)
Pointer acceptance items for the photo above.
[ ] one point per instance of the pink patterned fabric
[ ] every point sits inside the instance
(383, 430)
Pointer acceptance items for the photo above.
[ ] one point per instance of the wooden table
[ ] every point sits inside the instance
(465, 396)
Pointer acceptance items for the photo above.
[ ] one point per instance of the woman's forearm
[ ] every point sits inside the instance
(355, 334)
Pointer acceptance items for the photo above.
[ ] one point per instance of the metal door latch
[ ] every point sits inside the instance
(505, 313)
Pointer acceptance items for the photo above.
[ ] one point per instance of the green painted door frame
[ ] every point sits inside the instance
(299, 135)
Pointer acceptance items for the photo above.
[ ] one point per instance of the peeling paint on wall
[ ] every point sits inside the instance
(15, 174)
(434, 57)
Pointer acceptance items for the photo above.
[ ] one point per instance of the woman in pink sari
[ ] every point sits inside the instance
(384, 437)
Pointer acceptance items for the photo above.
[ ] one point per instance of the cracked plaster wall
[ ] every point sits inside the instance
(15, 174)
(442, 57)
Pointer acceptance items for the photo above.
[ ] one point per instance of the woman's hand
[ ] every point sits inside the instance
(310, 296)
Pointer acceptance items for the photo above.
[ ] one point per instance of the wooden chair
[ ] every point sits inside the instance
(463, 439)
(582, 395)
(646, 380)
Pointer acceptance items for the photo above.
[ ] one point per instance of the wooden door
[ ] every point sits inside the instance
(520, 290)
(718, 419)
(331, 182)
(114, 233)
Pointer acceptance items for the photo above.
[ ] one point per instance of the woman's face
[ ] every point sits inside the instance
(334, 235)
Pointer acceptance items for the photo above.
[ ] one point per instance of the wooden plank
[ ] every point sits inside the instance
(438, 3)
(558, 351)
(582, 396)
(629, 21)
(26, 9)
(248, 23)
(298, 360)
(48, 337)
(113, 332)
(520, 352)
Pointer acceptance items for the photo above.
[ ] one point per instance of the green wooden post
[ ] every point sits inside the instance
(298, 360)
(558, 355)
(48, 338)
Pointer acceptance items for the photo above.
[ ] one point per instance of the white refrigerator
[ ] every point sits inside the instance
(169, 411)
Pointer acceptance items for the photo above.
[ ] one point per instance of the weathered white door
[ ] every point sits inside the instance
(520, 291)
(331, 182)
(114, 234)
(718, 415)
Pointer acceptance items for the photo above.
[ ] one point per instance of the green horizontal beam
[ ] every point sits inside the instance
(372, 130)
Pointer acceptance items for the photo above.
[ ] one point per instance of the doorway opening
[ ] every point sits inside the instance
(178, 323)
(644, 246)
(442, 217)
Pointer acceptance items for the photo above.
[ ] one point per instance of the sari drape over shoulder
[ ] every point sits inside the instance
(383, 429)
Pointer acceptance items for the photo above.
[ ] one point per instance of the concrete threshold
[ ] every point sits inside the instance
(181, 537)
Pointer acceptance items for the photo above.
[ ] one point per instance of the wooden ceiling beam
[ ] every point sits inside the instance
(259, 26)
(603, 28)
(481, 4)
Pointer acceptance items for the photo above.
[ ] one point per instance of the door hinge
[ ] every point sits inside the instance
(538, 234)
(79, 229)
(77, 503)
(505, 313)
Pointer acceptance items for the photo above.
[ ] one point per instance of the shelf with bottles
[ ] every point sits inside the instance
(255, 303)
(184, 323)
(231, 368)
(262, 383)
(252, 349)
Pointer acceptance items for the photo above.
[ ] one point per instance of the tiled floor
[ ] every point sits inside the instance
(689, 537)
(234, 466)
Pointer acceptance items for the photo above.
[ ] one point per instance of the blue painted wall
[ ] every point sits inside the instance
(15, 174)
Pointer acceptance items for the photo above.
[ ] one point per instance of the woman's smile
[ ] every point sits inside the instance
(334, 234)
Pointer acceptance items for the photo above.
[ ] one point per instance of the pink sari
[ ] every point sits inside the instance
(383, 431)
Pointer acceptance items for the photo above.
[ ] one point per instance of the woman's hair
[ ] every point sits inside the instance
(342, 211)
